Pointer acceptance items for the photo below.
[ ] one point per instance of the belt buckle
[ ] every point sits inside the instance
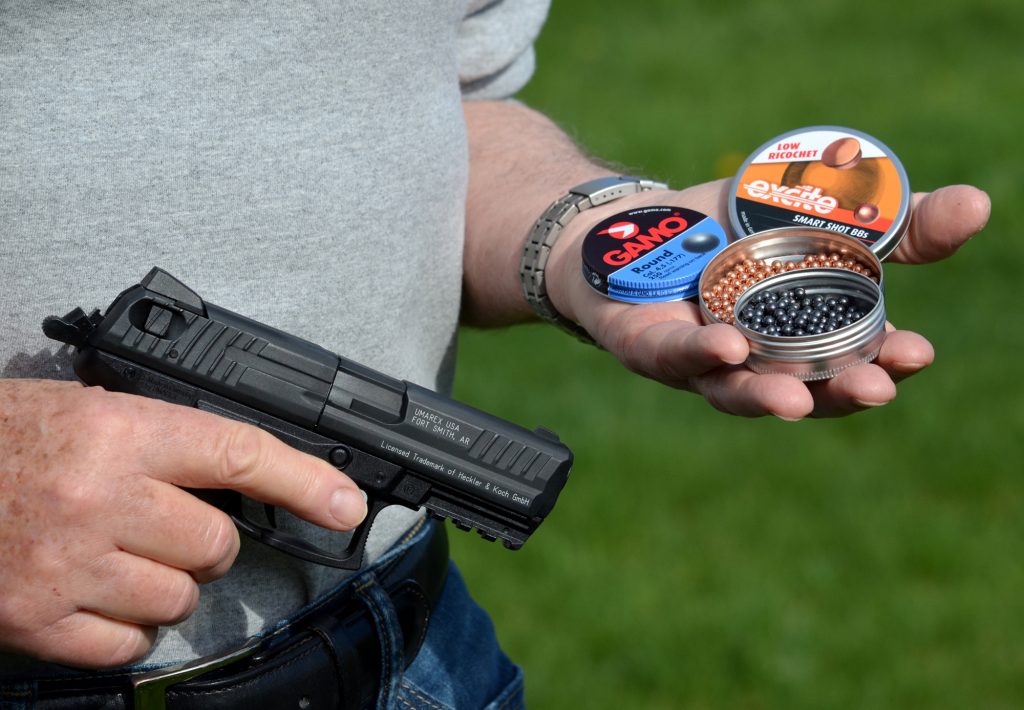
(150, 688)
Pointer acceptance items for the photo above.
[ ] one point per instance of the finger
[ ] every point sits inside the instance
(941, 222)
(737, 390)
(666, 341)
(123, 586)
(672, 352)
(171, 526)
(904, 353)
(200, 450)
(89, 640)
(852, 390)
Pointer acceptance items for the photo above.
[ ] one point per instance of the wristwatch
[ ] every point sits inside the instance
(549, 227)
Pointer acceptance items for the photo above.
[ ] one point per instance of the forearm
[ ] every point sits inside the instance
(520, 162)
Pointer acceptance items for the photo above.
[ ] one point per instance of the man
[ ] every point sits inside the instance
(348, 173)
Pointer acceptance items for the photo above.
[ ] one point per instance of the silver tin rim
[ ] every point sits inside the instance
(824, 355)
(887, 243)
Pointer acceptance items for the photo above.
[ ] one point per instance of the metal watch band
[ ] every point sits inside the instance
(549, 227)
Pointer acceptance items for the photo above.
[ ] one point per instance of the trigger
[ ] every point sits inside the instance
(271, 513)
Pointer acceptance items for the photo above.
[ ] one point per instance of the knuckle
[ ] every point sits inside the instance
(133, 646)
(716, 402)
(77, 498)
(101, 416)
(181, 596)
(48, 564)
(665, 363)
(105, 568)
(709, 387)
(242, 452)
(673, 372)
(308, 484)
(218, 545)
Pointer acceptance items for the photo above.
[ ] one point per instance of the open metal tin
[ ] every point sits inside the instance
(822, 355)
(820, 261)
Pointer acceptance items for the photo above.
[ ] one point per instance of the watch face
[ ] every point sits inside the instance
(824, 177)
(651, 254)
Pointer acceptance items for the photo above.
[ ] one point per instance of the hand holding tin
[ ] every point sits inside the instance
(666, 341)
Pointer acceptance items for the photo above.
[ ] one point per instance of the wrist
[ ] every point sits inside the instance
(567, 287)
(558, 233)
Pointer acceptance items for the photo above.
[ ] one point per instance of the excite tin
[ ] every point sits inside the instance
(651, 254)
(825, 177)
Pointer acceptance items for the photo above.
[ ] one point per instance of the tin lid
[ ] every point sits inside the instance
(651, 254)
(827, 177)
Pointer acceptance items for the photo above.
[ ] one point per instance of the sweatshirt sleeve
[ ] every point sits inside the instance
(495, 46)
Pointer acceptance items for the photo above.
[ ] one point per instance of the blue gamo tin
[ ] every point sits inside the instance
(651, 254)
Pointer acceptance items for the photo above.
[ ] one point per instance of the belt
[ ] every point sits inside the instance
(334, 655)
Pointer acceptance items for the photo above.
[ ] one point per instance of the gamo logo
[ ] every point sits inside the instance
(804, 197)
(643, 243)
(622, 230)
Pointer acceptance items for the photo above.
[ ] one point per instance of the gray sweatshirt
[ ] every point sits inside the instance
(303, 164)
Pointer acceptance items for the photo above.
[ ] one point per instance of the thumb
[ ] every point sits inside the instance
(942, 222)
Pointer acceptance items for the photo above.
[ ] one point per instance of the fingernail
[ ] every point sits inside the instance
(788, 419)
(908, 367)
(867, 405)
(348, 507)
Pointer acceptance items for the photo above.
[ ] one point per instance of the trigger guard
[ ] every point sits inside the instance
(294, 545)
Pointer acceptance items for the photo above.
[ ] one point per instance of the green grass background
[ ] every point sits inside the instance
(697, 560)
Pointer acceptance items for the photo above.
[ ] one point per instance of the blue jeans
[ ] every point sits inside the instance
(460, 664)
